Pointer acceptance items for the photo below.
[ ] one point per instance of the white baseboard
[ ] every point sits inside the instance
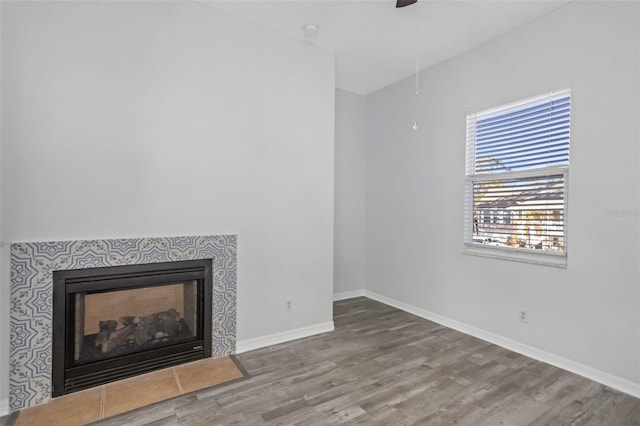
(615, 382)
(285, 336)
(4, 407)
(347, 295)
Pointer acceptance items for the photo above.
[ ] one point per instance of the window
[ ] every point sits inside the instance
(517, 166)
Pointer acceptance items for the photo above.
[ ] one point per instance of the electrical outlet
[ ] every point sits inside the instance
(523, 316)
(288, 305)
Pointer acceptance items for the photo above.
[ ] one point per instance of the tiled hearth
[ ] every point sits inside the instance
(32, 266)
(105, 401)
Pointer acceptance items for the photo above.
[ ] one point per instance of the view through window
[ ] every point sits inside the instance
(516, 175)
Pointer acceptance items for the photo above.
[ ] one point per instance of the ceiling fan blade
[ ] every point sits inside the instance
(403, 3)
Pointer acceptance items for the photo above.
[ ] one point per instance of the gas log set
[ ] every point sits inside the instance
(133, 333)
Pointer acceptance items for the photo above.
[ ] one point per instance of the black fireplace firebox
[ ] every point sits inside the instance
(115, 322)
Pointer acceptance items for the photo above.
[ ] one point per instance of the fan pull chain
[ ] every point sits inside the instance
(415, 122)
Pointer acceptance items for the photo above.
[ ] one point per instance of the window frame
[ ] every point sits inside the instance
(527, 255)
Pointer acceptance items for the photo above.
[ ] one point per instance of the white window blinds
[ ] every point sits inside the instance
(516, 173)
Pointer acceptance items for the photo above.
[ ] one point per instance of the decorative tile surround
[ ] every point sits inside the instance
(32, 266)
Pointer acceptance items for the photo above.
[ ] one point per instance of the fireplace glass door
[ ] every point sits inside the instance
(110, 324)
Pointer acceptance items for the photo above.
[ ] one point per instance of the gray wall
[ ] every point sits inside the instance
(4, 289)
(587, 313)
(348, 264)
(141, 119)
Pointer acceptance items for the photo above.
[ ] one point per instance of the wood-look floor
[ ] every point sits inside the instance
(384, 366)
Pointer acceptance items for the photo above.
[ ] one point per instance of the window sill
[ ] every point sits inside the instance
(558, 260)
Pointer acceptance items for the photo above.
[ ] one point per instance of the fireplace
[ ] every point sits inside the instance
(31, 310)
(115, 322)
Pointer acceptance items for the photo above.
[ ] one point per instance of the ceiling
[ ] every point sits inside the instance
(376, 44)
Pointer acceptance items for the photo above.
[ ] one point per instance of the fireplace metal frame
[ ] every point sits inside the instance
(66, 283)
